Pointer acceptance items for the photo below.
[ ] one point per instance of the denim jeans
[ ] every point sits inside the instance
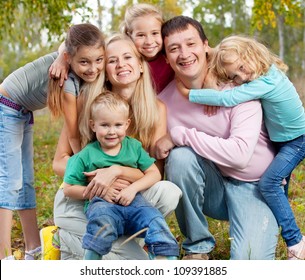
(253, 228)
(69, 216)
(107, 222)
(16, 160)
(289, 155)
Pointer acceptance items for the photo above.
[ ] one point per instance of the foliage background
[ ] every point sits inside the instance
(31, 28)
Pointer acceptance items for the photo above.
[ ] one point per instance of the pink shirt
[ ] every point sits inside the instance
(234, 138)
(161, 72)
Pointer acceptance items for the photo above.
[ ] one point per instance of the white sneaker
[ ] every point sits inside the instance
(297, 252)
(32, 255)
(9, 258)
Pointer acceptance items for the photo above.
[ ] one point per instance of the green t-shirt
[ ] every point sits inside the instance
(92, 157)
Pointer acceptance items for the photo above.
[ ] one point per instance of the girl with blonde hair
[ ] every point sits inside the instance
(257, 73)
(142, 23)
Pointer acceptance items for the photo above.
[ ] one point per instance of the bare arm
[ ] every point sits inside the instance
(160, 132)
(71, 122)
(74, 191)
(62, 154)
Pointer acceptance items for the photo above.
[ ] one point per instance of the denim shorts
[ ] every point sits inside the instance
(16, 160)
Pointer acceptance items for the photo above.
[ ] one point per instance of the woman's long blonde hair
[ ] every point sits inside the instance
(254, 54)
(78, 35)
(89, 93)
(144, 113)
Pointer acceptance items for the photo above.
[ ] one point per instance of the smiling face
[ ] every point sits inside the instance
(123, 67)
(238, 71)
(186, 53)
(146, 34)
(110, 127)
(87, 63)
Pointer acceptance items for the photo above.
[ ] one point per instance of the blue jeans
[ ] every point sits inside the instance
(119, 220)
(289, 155)
(16, 160)
(253, 228)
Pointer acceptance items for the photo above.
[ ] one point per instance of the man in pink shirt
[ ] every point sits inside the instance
(216, 161)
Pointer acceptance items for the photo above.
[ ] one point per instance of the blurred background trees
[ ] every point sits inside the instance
(30, 28)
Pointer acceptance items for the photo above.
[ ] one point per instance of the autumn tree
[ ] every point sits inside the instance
(26, 26)
(20, 20)
(221, 18)
(277, 14)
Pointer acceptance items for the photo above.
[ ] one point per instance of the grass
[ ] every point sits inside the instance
(46, 134)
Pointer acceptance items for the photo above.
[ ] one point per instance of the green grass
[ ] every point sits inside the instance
(46, 134)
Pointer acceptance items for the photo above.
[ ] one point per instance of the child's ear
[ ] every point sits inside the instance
(91, 124)
(128, 123)
(67, 57)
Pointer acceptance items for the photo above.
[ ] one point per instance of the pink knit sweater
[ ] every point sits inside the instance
(235, 138)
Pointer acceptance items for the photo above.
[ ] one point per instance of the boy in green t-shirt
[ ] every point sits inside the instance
(131, 213)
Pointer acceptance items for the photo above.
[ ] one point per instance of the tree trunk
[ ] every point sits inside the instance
(280, 24)
(303, 56)
(99, 15)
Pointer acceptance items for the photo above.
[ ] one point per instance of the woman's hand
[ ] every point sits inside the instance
(111, 195)
(126, 196)
(102, 180)
(115, 189)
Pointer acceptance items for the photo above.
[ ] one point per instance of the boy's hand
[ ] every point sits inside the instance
(111, 195)
(126, 196)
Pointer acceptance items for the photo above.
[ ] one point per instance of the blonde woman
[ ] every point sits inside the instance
(127, 74)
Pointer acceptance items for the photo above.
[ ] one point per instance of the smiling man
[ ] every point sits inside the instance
(216, 161)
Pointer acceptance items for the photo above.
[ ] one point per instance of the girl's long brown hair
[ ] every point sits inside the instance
(78, 35)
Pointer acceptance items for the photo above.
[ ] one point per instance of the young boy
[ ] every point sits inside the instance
(109, 120)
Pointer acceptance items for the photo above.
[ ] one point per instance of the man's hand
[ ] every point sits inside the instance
(163, 146)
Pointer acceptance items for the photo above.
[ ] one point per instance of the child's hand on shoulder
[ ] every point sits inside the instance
(182, 89)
